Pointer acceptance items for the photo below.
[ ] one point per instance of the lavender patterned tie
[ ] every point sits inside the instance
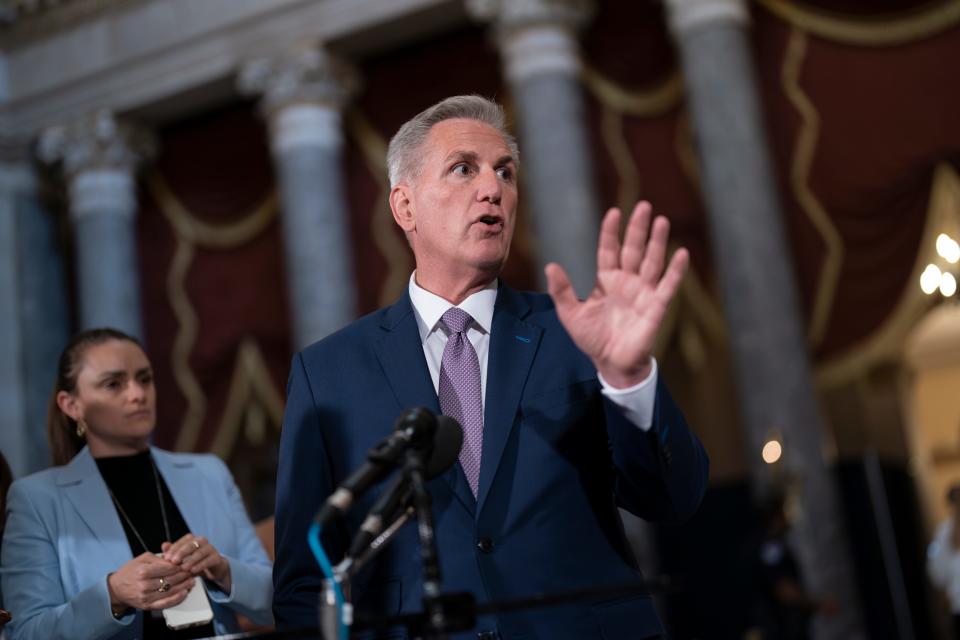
(459, 391)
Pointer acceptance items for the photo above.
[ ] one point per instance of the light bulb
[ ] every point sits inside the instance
(930, 279)
(948, 284)
(772, 451)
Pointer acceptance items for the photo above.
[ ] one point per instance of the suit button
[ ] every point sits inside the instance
(487, 635)
(485, 545)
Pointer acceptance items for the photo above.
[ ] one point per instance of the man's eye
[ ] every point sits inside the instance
(460, 169)
(113, 384)
(505, 173)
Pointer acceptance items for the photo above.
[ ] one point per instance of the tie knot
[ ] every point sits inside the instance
(456, 320)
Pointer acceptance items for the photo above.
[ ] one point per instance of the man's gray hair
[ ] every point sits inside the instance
(404, 152)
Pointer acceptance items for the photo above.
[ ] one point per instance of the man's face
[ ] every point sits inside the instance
(460, 211)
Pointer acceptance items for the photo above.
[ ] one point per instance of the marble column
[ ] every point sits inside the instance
(33, 313)
(99, 156)
(541, 59)
(771, 359)
(303, 95)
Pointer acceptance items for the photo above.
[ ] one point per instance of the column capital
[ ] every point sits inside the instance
(685, 16)
(509, 15)
(536, 37)
(307, 75)
(97, 141)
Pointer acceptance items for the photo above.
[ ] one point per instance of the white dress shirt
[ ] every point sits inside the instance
(636, 402)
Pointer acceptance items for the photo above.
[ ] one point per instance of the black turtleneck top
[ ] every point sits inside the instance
(132, 482)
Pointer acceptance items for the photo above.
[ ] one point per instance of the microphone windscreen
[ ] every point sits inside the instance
(447, 440)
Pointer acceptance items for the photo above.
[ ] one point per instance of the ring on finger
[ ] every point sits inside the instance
(196, 545)
(164, 586)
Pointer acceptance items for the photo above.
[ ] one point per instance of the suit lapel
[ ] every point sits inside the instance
(82, 484)
(185, 483)
(513, 344)
(400, 353)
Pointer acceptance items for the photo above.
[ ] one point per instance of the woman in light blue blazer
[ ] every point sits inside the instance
(96, 548)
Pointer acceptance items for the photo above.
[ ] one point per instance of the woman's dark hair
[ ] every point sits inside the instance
(6, 479)
(61, 428)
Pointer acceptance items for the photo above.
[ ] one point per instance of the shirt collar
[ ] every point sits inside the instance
(429, 307)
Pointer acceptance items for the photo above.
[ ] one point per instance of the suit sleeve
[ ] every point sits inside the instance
(251, 591)
(304, 480)
(661, 474)
(32, 587)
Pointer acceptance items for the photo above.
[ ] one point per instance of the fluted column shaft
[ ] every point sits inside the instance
(771, 360)
(33, 316)
(99, 157)
(303, 97)
(541, 59)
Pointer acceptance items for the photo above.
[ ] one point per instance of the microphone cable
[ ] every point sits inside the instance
(313, 537)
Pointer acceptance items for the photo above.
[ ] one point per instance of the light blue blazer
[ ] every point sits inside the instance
(63, 537)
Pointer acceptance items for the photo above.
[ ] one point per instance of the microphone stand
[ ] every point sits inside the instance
(349, 567)
(423, 505)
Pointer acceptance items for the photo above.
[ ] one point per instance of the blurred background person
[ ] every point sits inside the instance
(116, 532)
(783, 606)
(943, 557)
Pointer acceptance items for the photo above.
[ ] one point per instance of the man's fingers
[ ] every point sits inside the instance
(652, 266)
(670, 282)
(635, 239)
(558, 284)
(608, 247)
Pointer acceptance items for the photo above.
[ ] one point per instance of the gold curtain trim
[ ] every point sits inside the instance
(683, 148)
(646, 103)
(191, 231)
(628, 187)
(188, 328)
(804, 151)
(250, 382)
(943, 215)
(212, 236)
(399, 263)
(868, 31)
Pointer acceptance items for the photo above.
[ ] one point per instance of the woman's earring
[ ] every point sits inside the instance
(81, 428)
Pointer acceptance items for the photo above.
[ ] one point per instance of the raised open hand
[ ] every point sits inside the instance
(617, 324)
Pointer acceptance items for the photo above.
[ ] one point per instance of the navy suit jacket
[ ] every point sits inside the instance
(558, 458)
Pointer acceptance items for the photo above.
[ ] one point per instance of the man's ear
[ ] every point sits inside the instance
(402, 208)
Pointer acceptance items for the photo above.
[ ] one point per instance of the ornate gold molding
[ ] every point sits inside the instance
(886, 343)
(188, 328)
(646, 103)
(399, 261)
(251, 392)
(190, 232)
(684, 149)
(803, 154)
(860, 31)
(212, 236)
(628, 185)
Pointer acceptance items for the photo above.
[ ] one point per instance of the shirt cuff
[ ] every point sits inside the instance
(637, 401)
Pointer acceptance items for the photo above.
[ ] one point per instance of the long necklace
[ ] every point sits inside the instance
(163, 509)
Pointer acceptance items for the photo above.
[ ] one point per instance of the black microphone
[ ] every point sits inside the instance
(447, 441)
(414, 429)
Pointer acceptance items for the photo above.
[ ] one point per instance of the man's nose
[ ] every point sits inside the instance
(489, 186)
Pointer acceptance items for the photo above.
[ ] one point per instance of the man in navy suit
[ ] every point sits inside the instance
(564, 414)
